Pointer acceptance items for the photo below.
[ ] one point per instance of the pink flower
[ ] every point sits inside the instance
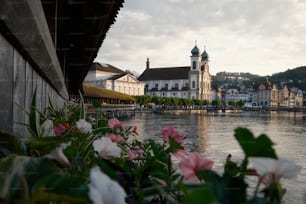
(169, 131)
(181, 153)
(195, 162)
(114, 123)
(270, 170)
(59, 129)
(115, 138)
(134, 153)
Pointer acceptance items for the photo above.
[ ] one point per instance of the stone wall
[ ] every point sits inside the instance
(18, 80)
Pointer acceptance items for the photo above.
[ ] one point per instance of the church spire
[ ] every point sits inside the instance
(148, 63)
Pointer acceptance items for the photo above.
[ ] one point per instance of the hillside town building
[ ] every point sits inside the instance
(192, 81)
(265, 95)
(112, 78)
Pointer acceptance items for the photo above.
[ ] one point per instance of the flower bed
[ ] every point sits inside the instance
(74, 158)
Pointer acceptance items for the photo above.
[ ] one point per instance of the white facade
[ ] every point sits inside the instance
(170, 88)
(234, 95)
(121, 82)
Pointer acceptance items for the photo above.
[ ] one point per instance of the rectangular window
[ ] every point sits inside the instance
(193, 84)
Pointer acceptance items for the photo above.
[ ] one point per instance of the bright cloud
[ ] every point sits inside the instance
(261, 37)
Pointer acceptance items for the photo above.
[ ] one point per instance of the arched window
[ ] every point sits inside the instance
(194, 65)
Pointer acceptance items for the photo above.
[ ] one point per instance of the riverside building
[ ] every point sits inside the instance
(112, 78)
(192, 81)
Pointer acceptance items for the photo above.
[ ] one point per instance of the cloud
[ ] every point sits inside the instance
(241, 35)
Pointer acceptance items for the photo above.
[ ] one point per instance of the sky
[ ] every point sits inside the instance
(256, 36)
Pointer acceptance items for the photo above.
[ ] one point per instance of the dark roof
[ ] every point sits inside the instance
(117, 76)
(106, 68)
(167, 73)
(78, 31)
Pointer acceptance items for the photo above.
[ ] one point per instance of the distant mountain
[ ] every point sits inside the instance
(295, 77)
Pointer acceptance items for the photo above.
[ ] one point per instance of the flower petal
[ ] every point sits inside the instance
(103, 190)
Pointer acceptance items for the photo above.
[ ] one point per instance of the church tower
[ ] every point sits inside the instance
(205, 78)
(199, 76)
(194, 72)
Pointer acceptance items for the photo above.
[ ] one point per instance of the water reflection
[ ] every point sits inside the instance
(212, 134)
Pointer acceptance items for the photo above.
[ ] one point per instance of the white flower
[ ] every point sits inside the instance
(280, 168)
(106, 148)
(84, 126)
(58, 155)
(47, 128)
(103, 190)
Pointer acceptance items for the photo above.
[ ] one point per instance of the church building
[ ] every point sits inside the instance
(192, 81)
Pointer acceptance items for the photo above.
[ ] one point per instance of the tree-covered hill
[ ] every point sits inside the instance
(292, 77)
(295, 77)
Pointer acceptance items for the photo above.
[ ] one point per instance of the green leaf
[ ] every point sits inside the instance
(82, 107)
(64, 188)
(255, 147)
(44, 145)
(34, 117)
(174, 145)
(200, 195)
(227, 189)
(19, 173)
(230, 167)
(10, 144)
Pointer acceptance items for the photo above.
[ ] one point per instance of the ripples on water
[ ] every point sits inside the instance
(212, 134)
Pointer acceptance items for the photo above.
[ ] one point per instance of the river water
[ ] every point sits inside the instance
(213, 135)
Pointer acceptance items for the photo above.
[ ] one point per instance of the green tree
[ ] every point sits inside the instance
(196, 102)
(240, 103)
(216, 102)
(155, 100)
(175, 101)
(232, 103)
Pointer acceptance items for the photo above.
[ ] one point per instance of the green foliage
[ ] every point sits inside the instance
(292, 77)
(254, 147)
(10, 144)
(169, 101)
(216, 102)
(240, 103)
(226, 188)
(60, 188)
(34, 118)
(82, 108)
(19, 174)
(200, 194)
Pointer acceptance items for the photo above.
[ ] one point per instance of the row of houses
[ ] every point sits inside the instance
(265, 95)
